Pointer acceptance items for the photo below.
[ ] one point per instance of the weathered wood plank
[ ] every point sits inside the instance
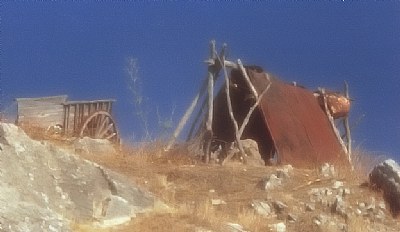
(42, 112)
(89, 102)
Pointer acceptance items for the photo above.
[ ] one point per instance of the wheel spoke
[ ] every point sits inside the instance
(100, 129)
(110, 136)
(108, 128)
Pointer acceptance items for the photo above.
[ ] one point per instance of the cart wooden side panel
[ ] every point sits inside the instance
(42, 112)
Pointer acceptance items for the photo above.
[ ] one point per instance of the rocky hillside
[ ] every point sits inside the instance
(75, 186)
(46, 188)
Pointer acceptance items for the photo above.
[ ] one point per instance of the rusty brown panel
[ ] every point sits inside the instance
(299, 128)
(338, 105)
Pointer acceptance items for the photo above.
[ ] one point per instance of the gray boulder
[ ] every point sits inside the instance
(253, 157)
(43, 188)
(386, 177)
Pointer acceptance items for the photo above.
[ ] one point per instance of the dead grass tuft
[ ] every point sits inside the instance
(357, 224)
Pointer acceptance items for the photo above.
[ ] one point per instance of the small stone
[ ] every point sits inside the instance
(282, 174)
(361, 205)
(358, 212)
(310, 207)
(380, 215)
(278, 227)
(291, 217)
(262, 208)
(233, 227)
(324, 202)
(327, 170)
(201, 229)
(328, 192)
(317, 222)
(211, 191)
(342, 226)
(337, 184)
(314, 191)
(382, 205)
(271, 182)
(339, 206)
(285, 171)
(371, 206)
(320, 219)
(279, 206)
(345, 192)
(218, 202)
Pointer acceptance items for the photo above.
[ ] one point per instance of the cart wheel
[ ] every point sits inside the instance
(100, 125)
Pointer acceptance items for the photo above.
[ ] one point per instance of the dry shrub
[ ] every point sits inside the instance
(88, 228)
(357, 224)
(364, 161)
(36, 132)
(155, 153)
(249, 219)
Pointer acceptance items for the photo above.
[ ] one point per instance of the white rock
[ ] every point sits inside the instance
(233, 227)
(337, 184)
(291, 217)
(327, 170)
(310, 207)
(279, 206)
(358, 212)
(271, 182)
(218, 202)
(382, 205)
(278, 227)
(284, 172)
(262, 208)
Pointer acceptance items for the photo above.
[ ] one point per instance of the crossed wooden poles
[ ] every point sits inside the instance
(216, 63)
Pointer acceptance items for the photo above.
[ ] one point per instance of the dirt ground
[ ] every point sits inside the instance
(189, 188)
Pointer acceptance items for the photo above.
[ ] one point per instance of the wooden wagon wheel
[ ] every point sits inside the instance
(100, 125)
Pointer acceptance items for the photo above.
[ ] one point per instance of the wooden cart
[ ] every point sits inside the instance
(75, 118)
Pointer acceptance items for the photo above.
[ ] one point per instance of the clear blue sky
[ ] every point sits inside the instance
(80, 48)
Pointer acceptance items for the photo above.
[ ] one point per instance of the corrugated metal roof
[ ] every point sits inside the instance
(300, 130)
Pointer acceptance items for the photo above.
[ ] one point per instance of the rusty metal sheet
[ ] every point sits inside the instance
(338, 105)
(299, 128)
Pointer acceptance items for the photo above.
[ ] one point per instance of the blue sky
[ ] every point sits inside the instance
(81, 49)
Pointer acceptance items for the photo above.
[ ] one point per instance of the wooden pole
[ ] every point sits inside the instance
(347, 127)
(252, 108)
(246, 77)
(210, 101)
(186, 116)
(228, 99)
(196, 120)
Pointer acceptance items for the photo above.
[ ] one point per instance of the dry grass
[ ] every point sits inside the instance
(357, 224)
(187, 186)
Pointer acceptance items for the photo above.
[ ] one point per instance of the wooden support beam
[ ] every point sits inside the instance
(210, 100)
(229, 103)
(246, 77)
(196, 120)
(186, 116)
(347, 127)
(251, 110)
